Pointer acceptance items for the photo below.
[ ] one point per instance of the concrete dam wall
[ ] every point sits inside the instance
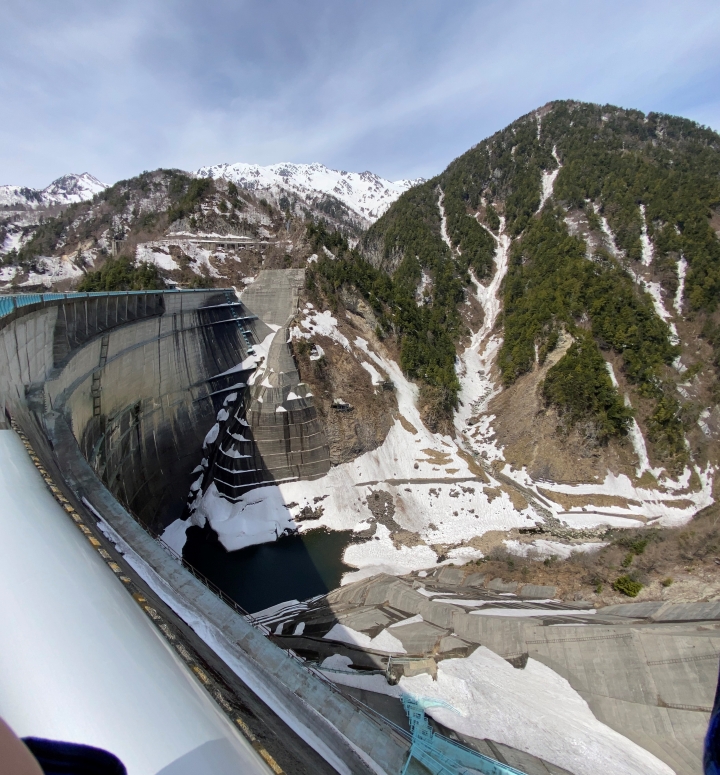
(140, 379)
(117, 392)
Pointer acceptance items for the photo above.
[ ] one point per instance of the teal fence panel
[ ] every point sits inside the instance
(7, 305)
(440, 755)
(11, 302)
(23, 299)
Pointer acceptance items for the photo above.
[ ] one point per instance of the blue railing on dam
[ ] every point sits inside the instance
(10, 302)
(440, 755)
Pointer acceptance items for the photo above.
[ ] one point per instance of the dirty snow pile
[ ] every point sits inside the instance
(258, 517)
(158, 253)
(53, 269)
(534, 710)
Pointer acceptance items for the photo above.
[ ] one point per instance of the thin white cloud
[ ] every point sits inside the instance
(399, 88)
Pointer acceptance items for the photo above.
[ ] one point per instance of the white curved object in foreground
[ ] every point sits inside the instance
(79, 660)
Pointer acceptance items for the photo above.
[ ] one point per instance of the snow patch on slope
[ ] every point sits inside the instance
(53, 269)
(158, 253)
(682, 272)
(365, 193)
(474, 366)
(647, 248)
(635, 434)
(66, 190)
(443, 221)
(548, 180)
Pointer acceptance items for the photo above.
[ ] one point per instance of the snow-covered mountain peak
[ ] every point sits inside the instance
(73, 188)
(365, 193)
(66, 190)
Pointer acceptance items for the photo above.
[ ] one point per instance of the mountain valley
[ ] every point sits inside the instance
(519, 355)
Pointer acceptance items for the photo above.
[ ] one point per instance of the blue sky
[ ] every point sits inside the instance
(399, 87)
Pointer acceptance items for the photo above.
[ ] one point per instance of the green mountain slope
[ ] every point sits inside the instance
(631, 197)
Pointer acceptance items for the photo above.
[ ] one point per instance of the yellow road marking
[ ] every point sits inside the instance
(222, 701)
(200, 674)
(274, 766)
(167, 631)
(246, 729)
(94, 541)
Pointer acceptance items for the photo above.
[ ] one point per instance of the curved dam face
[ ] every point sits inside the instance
(141, 377)
(124, 398)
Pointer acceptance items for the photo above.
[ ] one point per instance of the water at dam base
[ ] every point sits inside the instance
(295, 567)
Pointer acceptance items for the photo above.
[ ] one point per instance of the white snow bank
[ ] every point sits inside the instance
(533, 710)
(258, 517)
(322, 323)
(337, 662)
(383, 641)
(525, 612)
(375, 376)
(647, 247)
(682, 272)
(212, 435)
(175, 536)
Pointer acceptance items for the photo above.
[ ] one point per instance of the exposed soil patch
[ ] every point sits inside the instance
(382, 507)
(673, 564)
(577, 501)
(529, 434)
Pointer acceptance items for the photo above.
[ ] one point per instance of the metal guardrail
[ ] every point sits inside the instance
(440, 755)
(215, 589)
(10, 302)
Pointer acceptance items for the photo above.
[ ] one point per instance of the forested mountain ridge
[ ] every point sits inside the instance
(609, 216)
(161, 226)
(565, 270)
